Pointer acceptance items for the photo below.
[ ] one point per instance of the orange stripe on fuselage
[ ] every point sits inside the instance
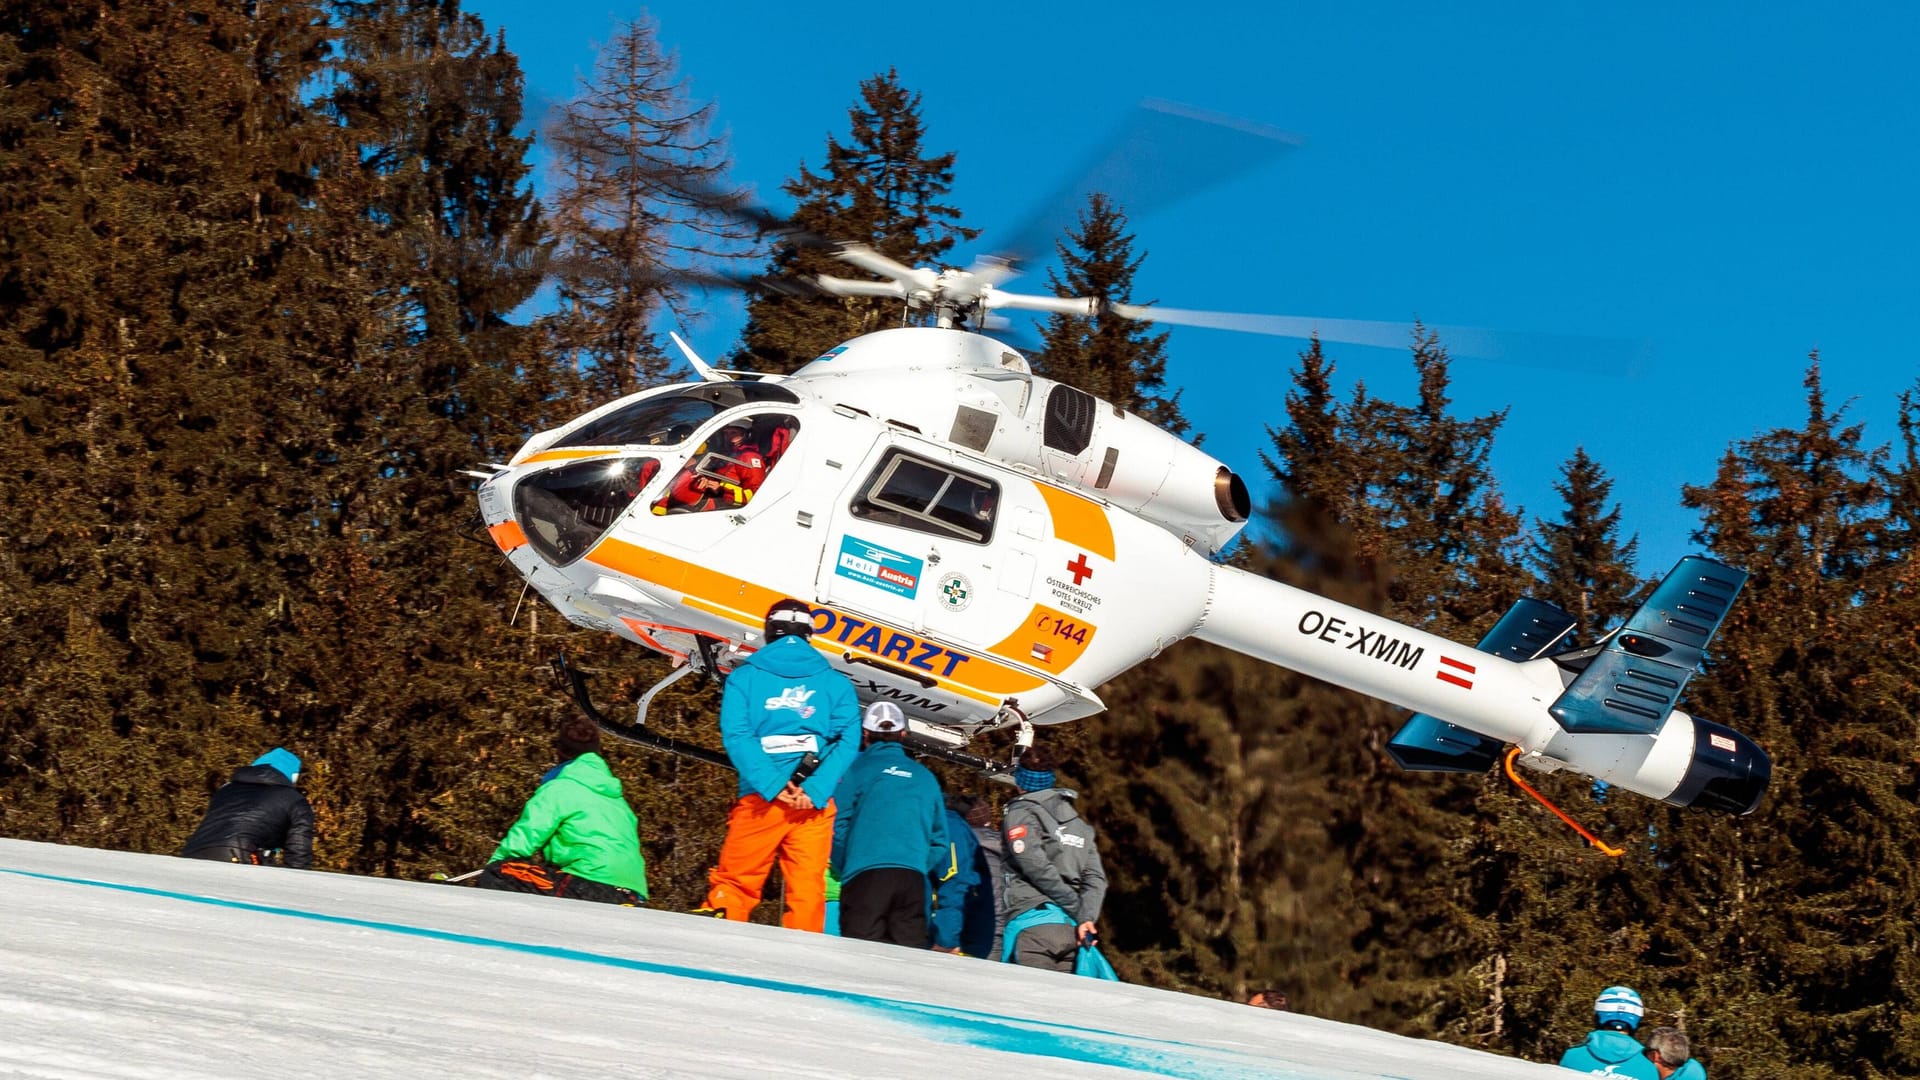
(508, 535)
(743, 602)
(1079, 521)
(564, 455)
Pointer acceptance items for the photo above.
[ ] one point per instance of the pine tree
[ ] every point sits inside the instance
(1405, 493)
(154, 169)
(1309, 457)
(1553, 922)
(1116, 359)
(1803, 916)
(1452, 542)
(876, 189)
(1584, 569)
(629, 149)
(430, 206)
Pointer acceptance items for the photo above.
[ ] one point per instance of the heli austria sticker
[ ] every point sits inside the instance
(956, 592)
(881, 567)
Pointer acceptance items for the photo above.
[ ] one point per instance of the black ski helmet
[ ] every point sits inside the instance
(789, 617)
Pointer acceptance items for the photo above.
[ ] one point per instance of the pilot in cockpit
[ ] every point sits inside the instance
(983, 503)
(722, 476)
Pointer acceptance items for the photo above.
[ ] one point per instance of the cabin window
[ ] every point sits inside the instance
(566, 510)
(728, 467)
(670, 419)
(925, 496)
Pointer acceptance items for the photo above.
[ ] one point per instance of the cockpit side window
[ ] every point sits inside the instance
(926, 496)
(728, 468)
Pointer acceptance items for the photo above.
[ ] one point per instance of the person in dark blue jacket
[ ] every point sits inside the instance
(783, 703)
(1611, 1050)
(963, 904)
(889, 836)
(956, 876)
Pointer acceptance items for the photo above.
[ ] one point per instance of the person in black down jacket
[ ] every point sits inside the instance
(256, 813)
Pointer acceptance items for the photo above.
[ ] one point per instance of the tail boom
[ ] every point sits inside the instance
(1686, 762)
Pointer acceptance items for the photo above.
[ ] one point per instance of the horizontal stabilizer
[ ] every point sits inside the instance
(1429, 744)
(1634, 682)
(1529, 629)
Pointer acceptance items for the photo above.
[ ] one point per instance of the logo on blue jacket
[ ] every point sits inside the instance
(882, 568)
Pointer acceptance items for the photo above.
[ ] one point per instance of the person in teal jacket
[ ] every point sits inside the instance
(1611, 1050)
(576, 838)
(780, 705)
(889, 836)
(1672, 1055)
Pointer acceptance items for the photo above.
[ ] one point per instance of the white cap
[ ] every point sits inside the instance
(884, 716)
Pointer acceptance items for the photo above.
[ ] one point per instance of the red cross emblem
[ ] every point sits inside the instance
(1079, 568)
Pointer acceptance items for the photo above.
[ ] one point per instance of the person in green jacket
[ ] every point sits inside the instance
(577, 837)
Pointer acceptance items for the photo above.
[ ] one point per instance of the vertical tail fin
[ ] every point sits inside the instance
(1633, 683)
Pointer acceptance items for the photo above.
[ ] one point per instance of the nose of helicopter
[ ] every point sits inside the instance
(560, 512)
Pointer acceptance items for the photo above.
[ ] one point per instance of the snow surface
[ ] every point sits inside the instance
(121, 965)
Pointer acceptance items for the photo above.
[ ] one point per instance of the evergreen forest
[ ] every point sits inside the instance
(274, 273)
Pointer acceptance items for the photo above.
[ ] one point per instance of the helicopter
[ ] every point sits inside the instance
(983, 547)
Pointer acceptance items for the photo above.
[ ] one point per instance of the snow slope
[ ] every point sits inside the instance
(121, 965)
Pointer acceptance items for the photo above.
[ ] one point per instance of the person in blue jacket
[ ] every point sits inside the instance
(781, 704)
(889, 836)
(963, 907)
(1611, 1049)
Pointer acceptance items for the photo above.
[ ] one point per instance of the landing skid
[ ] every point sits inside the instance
(926, 749)
(575, 683)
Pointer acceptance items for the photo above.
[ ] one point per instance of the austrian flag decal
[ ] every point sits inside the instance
(1460, 675)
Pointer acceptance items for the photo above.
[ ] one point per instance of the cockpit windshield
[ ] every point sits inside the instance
(670, 418)
(566, 510)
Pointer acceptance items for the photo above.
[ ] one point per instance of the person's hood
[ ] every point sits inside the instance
(1613, 1047)
(590, 771)
(260, 774)
(790, 657)
(1057, 801)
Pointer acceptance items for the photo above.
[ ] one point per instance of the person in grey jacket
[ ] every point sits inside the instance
(980, 817)
(1052, 862)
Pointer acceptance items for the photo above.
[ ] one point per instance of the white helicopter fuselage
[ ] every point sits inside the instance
(979, 545)
(1059, 592)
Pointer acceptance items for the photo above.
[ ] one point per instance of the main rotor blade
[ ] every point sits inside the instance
(1165, 152)
(849, 287)
(1615, 356)
(873, 262)
(1062, 305)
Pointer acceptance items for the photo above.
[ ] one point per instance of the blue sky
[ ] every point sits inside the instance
(1734, 184)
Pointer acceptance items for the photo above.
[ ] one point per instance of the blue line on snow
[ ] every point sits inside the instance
(985, 1030)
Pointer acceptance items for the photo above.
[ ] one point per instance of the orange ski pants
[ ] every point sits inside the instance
(758, 831)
